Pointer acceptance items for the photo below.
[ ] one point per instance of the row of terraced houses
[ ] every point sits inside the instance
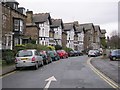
(20, 27)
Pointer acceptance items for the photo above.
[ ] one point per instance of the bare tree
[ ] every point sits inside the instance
(114, 41)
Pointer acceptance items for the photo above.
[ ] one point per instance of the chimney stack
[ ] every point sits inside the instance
(29, 16)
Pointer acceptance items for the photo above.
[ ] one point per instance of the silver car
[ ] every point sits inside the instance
(92, 53)
(27, 58)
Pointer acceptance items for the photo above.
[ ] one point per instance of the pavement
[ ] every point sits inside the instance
(7, 69)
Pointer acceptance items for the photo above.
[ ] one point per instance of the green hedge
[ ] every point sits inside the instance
(68, 49)
(8, 56)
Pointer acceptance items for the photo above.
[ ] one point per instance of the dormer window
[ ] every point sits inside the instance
(15, 6)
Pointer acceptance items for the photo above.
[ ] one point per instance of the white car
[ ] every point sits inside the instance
(92, 53)
(27, 58)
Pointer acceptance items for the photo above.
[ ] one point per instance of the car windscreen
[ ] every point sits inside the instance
(115, 52)
(24, 53)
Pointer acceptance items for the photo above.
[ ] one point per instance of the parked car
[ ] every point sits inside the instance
(92, 53)
(97, 52)
(62, 53)
(80, 53)
(27, 58)
(115, 55)
(71, 53)
(46, 57)
(56, 54)
(53, 54)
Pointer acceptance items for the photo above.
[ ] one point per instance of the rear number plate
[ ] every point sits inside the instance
(23, 58)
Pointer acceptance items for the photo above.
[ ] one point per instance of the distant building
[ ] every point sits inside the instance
(64, 39)
(80, 40)
(88, 36)
(69, 28)
(57, 26)
(97, 37)
(13, 24)
(43, 20)
(32, 30)
(102, 36)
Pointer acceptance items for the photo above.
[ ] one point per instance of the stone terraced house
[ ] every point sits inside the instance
(13, 24)
(21, 27)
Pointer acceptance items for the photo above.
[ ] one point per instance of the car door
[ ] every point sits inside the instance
(38, 57)
(118, 54)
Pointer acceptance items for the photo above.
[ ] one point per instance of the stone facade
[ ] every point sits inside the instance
(13, 26)
(64, 39)
(32, 30)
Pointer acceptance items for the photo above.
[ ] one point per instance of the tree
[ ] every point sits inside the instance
(115, 40)
(103, 43)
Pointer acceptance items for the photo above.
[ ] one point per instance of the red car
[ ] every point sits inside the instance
(62, 53)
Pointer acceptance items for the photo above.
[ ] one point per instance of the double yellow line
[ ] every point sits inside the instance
(2, 76)
(104, 77)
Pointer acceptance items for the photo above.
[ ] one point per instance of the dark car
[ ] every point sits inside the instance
(115, 55)
(76, 53)
(71, 53)
(80, 53)
(62, 53)
(97, 52)
(53, 54)
(46, 57)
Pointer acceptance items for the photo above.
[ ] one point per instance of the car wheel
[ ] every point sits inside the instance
(17, 68)
(42, 63)
(114, 58)
(47, 61)
(36, 66)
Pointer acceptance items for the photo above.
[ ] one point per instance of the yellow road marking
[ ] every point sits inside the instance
(104, 77)
(2, 76)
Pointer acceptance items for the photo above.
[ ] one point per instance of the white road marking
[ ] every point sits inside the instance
(50, 79)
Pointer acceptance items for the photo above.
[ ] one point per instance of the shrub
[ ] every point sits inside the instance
(31, 46)
(18, 48)
(68, 49)
(8, 56)
(42, 47)
(51, 47)
(58, 47)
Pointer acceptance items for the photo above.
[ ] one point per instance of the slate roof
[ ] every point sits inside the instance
(103, 31)
(79, 29)
(41, 17)
(56, 22)
(68, 26)
(87, 26)
(97, 28)
(9, 1)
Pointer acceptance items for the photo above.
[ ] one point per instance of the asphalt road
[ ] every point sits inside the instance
(110, 68)
(73, 72)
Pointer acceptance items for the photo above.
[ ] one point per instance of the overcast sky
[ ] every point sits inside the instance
(100, 12)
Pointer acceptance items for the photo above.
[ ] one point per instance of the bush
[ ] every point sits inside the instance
(31, 46)
(18, 48)
(68, 49)
(58, 47)
(8, 56)
(42, 47)
(51, 47)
